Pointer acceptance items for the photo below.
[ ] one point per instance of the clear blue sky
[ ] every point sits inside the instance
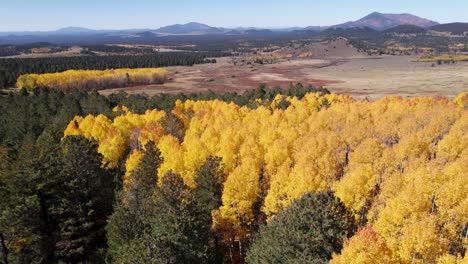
(16, 15)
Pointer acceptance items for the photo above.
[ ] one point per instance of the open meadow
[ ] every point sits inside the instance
(361, 77)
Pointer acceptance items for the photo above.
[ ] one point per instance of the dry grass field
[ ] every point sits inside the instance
(375, 78)
(361, 77)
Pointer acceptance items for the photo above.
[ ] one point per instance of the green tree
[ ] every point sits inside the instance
(180, 228)
(206, 198)
(169, 223)
(57, 198)
(85, 202)
(308, 231)
(29, 192)
(129, 227)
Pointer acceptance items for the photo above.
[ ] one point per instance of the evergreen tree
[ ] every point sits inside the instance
(173, 126)
(128, 228)
(166, 224)
(308, 231)
(30, 191)
(85, 202)
(206, 198)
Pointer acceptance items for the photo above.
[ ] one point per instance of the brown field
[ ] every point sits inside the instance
(365, 77)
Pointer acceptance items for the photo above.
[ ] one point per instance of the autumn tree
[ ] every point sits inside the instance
(366, 247)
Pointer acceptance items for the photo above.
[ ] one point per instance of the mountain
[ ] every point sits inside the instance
(380, 21)
(454, 28)
(189, 28)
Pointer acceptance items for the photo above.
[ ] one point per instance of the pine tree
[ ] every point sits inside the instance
(129, 227)
(85, 202)
(308, 231)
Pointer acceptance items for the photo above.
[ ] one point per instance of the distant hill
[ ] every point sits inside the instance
(68, 31)
(315, 28)
(189, 28)
(146, 34)
(74, 30)
(349, 32)
(380, 21)
(258, 32)
(233, 32)
(454, 28)
(405, 29)
(62, 31)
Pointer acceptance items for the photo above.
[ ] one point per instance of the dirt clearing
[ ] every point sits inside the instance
(360, 77)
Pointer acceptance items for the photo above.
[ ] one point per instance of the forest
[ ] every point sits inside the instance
(11, 69)
(12, 50)
(268, 176)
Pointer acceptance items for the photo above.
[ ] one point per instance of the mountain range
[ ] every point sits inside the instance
(375, 21)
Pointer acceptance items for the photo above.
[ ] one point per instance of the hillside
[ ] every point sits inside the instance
(454, 28)
(405, 29)
(339, 47)
(350, 32)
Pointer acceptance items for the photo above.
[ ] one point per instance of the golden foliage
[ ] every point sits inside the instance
(132, 163)
(443, 58)
(128, 130)
(399, 163)
(92, 79)
(268, 57)
(462, 100)
(365, 247)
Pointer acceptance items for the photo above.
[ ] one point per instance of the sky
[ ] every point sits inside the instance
(43, 15)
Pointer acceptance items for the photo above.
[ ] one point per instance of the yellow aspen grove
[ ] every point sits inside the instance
(242, 188)
(92, 79)
(100, 129)
(362, 176)
(398, 164)
(172, 153)
(128, 130)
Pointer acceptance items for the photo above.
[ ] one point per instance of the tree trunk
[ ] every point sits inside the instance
(231, 249)
(240, 249)
(4, 249)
